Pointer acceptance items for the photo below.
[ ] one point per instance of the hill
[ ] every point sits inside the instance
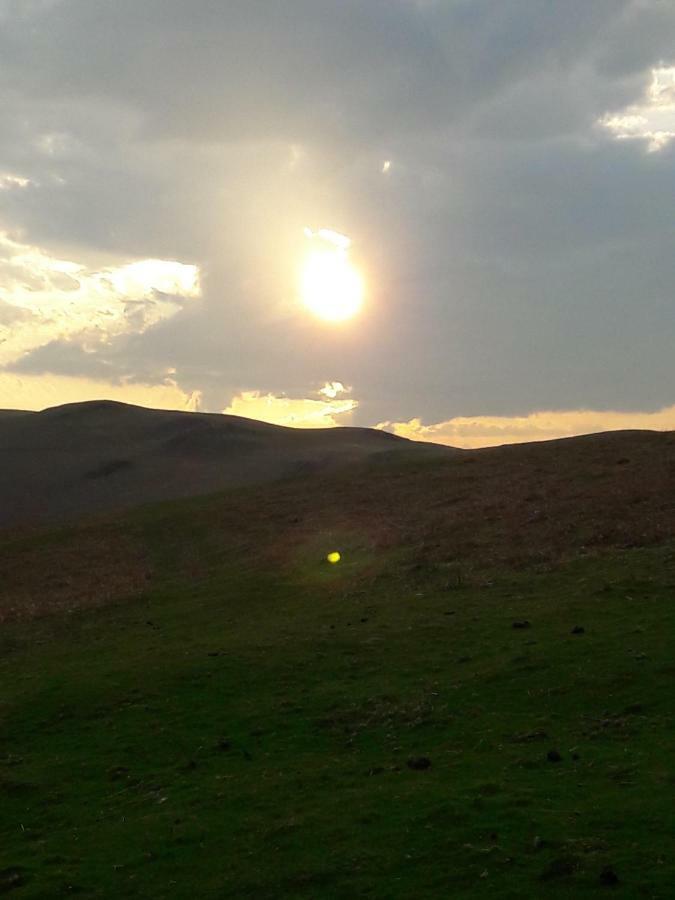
(89, 458)
(476, 702)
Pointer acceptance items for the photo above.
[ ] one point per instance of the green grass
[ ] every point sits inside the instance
(246, 734)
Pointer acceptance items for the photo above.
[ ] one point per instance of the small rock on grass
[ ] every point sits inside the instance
(419, 763)
(609, 877)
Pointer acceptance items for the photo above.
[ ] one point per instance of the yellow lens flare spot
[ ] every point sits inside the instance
(334, 557)
(330, 287)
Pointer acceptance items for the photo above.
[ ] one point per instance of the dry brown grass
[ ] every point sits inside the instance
(510, 506)
(79, 569)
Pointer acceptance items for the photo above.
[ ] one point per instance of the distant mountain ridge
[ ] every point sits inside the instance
(87, 458)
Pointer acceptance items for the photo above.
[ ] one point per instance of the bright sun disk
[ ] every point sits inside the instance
(330, 286)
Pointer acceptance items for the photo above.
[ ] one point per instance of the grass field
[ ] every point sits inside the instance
(256, 723)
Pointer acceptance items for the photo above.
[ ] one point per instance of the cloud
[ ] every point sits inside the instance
(47, 299)
(10, 315)
(333, 389)
(298, 69)
(490, 431)
(295, 412)
(652, 120)
(11, 182)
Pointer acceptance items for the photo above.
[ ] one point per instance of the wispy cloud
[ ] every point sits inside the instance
(9, 181)
(490, 431)
(297, 412)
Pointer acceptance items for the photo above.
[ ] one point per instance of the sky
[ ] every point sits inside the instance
(498, 175)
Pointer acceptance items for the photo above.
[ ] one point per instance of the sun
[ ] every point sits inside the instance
(330, 286)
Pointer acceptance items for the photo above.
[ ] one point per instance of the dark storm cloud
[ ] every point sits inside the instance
(518, 258)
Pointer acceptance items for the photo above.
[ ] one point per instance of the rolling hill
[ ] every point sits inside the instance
(89, 458)
(475, 702)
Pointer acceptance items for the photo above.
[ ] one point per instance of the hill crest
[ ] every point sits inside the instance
(83, 459)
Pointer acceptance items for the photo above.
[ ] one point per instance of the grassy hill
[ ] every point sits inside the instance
(88, 458)
(476, 702)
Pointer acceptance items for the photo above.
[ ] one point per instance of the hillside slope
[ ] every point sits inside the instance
(87, 458)
(471, 512)
(475, 703)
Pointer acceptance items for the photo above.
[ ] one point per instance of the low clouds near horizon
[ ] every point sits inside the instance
(503, 168)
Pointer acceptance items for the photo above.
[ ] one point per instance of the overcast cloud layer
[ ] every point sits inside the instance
(518, 250)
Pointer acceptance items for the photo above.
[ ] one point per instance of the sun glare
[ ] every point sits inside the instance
(330, 286)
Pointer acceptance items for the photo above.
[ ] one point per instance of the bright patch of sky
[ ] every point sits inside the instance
(469, 432)
(652, 120)
(34, 392)
(326, 410)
